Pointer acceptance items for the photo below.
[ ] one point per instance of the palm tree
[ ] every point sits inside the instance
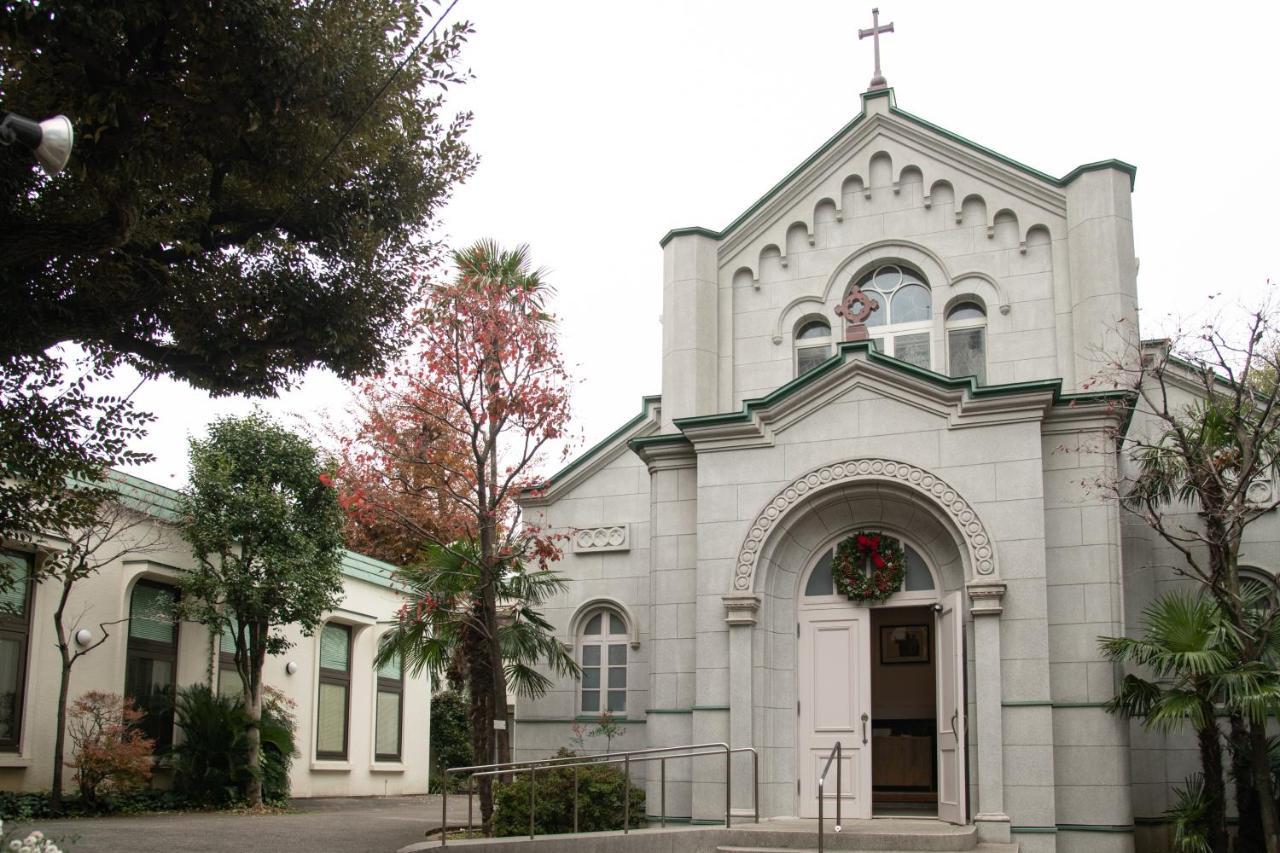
(442, 630)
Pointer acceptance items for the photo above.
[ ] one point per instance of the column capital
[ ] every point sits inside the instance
(986, 597)
(665, 452)
(740, 608)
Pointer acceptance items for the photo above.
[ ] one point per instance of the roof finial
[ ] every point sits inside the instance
(878, 81)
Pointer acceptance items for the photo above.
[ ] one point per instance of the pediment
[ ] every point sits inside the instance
(858, 372)
(877, 157)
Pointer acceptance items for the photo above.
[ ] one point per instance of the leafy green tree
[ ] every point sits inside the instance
(248, 196)
(265, 527)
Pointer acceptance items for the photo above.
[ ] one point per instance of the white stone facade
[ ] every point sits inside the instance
(730, 483)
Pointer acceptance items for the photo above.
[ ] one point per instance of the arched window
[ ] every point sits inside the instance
(1258, 586)
(918, 577)
(152, 658)
(966, 327)
(812, 344)
(900, 327)
(602, 653)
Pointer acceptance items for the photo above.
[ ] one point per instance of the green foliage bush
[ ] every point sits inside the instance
(600, 799)
(450, 738)
(210, 765)
(34, 805)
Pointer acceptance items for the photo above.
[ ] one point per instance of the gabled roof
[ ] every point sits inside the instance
(912, 119)
(598, 454)
(975, 399)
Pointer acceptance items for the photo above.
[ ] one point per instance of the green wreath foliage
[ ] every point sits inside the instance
(869, 566)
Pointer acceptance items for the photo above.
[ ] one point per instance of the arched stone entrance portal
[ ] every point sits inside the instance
(761, 611)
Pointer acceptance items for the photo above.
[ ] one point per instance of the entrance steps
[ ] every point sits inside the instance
(882, 835)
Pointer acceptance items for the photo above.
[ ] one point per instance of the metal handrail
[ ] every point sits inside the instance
(833, 756)
(660, 754)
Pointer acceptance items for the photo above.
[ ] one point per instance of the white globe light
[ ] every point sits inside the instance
(291, 667)
(83, 637)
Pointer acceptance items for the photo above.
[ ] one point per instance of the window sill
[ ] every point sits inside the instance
(13, 759)
(386, 767)
(332, 766)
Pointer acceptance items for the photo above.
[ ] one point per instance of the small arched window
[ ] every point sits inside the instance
(813, 344)
(900, 325)
(821, 582)
(602, 653)
(966, 327)
(1258, 587)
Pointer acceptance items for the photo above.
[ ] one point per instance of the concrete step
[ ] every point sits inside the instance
(885, 835)
(986, 847)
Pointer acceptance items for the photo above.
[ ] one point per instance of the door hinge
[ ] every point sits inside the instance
(797, 630)
(797, 786)
(797, 707)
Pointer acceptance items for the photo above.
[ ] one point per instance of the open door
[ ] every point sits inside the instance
(951, 707)
(835, 705)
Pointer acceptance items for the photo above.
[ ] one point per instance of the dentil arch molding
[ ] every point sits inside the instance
(978, 545)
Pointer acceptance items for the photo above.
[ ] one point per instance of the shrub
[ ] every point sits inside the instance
(600, 798)
(210, 765)
(34, 842)
(450, 738)
(109, 753)
(278, 744)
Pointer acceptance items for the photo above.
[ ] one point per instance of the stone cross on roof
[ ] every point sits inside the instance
(878, 81)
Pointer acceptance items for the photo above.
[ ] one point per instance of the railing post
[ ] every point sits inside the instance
(626, 793)
(471, 798)
(444, 810)
(533, 781)
(728, 797)
(662, 788)
(575, 798)
(820, 834)
(838, 785)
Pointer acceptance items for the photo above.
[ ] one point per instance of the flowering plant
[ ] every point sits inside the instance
(35, 842)
(869, 566)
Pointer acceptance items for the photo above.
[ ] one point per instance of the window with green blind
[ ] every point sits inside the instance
(15, 630)
(333, 700)
(229, 683)
(389, 710)
(152, 657)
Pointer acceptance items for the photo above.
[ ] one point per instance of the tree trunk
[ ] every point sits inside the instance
(1210, 743)
(60, 734)
(1262, 782)
(253, 707)
(1249, 834)
(480, 683)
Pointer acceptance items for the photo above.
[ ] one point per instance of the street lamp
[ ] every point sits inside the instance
(50, 139)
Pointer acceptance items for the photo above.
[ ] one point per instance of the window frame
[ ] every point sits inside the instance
(227, 666)
(799, 343)
(383, 684)
(885, 336)
(325, 675)
(139, 648)
(19, 628)
(949, 326)
(604, 640)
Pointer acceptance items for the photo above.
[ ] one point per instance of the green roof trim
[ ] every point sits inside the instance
(968, 384)
(646, 405)
(1066, 179)
(163, 503)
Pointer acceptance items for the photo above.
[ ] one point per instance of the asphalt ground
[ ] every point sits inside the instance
(324, 825)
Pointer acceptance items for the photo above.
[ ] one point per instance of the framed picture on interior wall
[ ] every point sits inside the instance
(904, 644)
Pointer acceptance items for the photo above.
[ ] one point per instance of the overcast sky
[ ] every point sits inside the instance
(601, 125)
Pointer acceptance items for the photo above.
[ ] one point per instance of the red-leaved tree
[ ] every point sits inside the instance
(445, 444)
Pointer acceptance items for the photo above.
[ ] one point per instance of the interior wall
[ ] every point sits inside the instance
(902, 691)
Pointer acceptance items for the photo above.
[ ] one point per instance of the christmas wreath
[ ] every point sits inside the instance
(869, 566)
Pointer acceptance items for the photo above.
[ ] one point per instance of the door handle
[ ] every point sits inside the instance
(864, 726)
(955, 717)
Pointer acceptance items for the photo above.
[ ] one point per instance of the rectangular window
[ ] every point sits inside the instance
(388, 715)
(334, 699)
(807, 358)
(15, 628)
(966, 350)
(229, 683)
(913, 349)
(152, 658)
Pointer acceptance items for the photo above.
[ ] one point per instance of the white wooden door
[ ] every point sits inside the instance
(835, 705)
(951, 707)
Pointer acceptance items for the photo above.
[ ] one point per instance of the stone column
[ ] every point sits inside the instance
(985, 603)
(740, 614)
(690, 328)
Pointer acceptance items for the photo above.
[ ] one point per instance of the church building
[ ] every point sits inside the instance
(860, 510)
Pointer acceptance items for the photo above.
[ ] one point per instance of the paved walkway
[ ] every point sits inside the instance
(347, 825)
